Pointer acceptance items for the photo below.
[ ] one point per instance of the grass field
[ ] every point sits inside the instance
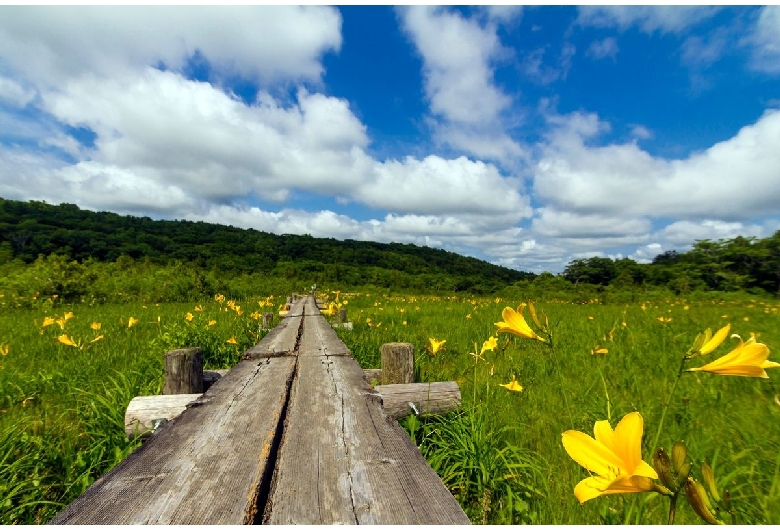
(63, 399)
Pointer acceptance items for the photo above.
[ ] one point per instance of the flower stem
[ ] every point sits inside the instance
(668, 402)
(672, 508)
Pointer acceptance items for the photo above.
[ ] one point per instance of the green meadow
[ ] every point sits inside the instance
(64, 393)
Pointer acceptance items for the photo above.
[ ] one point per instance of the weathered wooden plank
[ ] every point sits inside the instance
(196, 452)
(341, 459)
(283, 338)
(205, 467)
(427, 398)
(318, 337)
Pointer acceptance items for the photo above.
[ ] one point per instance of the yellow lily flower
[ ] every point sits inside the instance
(47, 321)
(748, 359)
(489, 344)
(96, 339)
(715, 341)
(188, 317)
(436, 345)
(232, 340)
(67, 316)
(96, 325)
(198, 308)
(132, 321)
(513, 385)
(5, 349)
(67, 341)
(614, 456)
(515, 323)
(212, 322)
(219, 298)
(599, 350)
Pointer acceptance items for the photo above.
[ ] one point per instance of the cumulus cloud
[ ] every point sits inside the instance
(554, 223)
(457, 57)
(270, 43)
(666, 19)
(622, 179)
(438, 186)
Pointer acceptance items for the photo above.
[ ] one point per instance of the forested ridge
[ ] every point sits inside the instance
(30, 229)
(208, 253)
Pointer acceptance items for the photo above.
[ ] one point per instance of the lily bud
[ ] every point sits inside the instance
(682, 475)
(663, 466)
(532, 310)
(701, 339)
(708, 476)
(698, 500)
(727, 500)
(679, 454)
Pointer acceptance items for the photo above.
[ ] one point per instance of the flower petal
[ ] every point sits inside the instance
(628, 435)
(591, 454)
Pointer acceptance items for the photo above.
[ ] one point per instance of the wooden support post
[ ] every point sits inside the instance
(183, 371)
(342, 316)
(397, 363)
(267, 319)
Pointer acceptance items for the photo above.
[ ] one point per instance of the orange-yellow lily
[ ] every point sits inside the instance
(513, 385)
(614, 456)
(515, 323)
(748, 359)
(436, 345)
(67, 341)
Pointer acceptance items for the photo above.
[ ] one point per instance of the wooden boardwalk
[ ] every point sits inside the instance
(293, 434)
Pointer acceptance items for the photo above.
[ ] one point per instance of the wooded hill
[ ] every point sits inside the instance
(30, 229)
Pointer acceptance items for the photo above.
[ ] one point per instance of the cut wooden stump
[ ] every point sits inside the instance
(397, 363)
(183, 371)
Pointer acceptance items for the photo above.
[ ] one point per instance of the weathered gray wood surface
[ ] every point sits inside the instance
(292, 434)
(143, 411)
(206, 466)
(342, 460)
(428, 398)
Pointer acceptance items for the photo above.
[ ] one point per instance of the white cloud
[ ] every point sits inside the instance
(640, 132)
(736, 178)
(702, 51)
(14, 93)
(438, 186)
(666, 19)
(540, 72)
(270, 43)
(765, 39)
(603, 48)
(554, 223)
(457, 67)
(457, 54)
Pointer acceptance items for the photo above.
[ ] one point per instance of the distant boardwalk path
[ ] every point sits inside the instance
(293, 434)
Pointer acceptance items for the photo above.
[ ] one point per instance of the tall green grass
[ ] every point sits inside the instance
(62, 407)
(731, 422)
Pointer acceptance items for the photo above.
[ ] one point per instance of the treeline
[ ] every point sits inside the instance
(740, 264)
(32, 229)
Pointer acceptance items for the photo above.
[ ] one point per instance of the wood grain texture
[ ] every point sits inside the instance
(183, 371)
(342, 460)
(282, 339)
(428, 398)
(205, 466)
(143, 411)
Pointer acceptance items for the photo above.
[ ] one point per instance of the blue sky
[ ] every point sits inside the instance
(527, 137)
